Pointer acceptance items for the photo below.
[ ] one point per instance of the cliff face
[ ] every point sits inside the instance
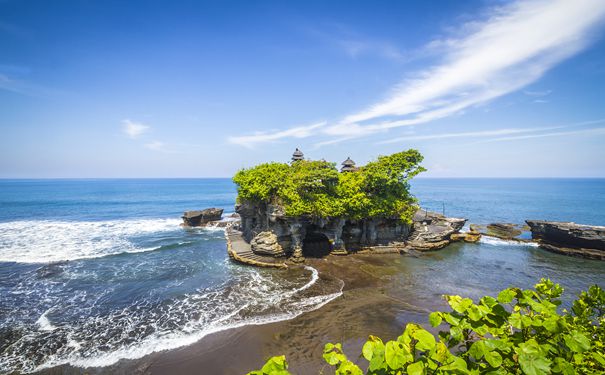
(300, 237)
(569, 238)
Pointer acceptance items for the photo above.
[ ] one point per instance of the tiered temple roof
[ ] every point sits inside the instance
(348, 165)
(297, 155)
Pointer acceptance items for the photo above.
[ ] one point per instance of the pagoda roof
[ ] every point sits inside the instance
(348, 162)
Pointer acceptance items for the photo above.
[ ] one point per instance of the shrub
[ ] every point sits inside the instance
(316, 188)
(518, 332)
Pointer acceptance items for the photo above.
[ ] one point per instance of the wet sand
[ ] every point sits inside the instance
(366, 307)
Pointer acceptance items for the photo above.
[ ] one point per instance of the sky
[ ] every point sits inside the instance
(95, 89)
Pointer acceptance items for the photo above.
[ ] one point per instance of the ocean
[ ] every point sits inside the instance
(95, 271)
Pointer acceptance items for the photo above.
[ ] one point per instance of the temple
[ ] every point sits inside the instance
(297, 155)
(267, 236)
(348, 165)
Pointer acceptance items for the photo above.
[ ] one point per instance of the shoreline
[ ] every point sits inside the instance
(363, 308)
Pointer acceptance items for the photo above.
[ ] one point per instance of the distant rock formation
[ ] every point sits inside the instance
(202, 217)
(569, 238)
(271, 232)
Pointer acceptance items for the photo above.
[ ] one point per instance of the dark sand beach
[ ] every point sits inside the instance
(365, 307)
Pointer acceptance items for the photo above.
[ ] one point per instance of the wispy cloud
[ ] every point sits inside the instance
(133, 129)
(537, 93)
(593, 131)
(155, 146)
(354, 44)
(303, 131)
(511, 133)
(487, 133)
(514, 47)
(21, 86)
(505, 51)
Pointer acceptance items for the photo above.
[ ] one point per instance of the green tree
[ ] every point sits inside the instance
(316, 188)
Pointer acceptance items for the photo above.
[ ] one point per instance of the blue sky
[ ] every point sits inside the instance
(201, 89)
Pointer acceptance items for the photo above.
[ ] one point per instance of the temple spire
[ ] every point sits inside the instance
(297, 155)
(348, 165)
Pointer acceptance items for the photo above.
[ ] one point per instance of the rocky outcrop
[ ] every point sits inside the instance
(271, 232)
(433, 231)
(505, 231)
(266, 243)
(569, 238)
(202, 217)
(472, 236)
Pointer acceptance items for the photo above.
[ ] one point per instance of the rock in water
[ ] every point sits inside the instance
(201, 218)
(266, 243)
(505, 231)
(433, 231)
(569, 238)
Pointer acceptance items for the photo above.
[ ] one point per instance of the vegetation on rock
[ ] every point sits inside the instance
(316, 188)
(518, 332)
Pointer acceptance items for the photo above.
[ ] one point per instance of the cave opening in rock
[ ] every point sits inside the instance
(316, 244)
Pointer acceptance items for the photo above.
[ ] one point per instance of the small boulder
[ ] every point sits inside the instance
(266, 243)
(202, 217)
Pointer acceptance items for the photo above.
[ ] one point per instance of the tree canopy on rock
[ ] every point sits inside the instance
(316, 188)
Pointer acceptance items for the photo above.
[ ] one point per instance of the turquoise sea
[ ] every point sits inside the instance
(94, 271)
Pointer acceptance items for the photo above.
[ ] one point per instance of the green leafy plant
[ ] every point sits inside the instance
(316, 188)
(517, 332)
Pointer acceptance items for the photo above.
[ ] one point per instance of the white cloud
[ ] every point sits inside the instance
(155, 146)
(537, 93)
(510, 48)
(295, 132)
(514, 47)
(593, 131)
(133, 129)
(509, 134)
(487, 133)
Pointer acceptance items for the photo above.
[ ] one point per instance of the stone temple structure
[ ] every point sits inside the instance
(348, 166)
(297, 155)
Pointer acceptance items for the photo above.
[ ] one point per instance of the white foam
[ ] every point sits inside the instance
(260, 292)
(494, 241)
(44, 323)
(53, 241)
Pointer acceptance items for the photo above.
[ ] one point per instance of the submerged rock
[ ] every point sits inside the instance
(505, 231)
(472, 236)
(569, 238)
(201, 217)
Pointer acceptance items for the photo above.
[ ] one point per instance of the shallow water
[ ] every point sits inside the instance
(93, 271)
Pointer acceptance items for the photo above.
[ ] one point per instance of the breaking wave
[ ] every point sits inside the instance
(55, 241)
(500, 242)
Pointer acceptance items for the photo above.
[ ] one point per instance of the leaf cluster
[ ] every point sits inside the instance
(316, 188)
(517, 332)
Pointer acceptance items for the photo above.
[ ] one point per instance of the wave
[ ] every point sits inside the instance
(54, 241)
(252, 297)
(494, 241)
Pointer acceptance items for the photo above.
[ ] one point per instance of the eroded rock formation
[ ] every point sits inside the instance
(569, 238)
(433, 231)
(266, 243)
(201, 217)
(268, 229)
